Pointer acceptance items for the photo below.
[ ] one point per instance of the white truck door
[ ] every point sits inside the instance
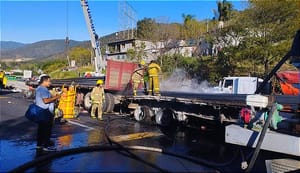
(247, 85)
(227, 85)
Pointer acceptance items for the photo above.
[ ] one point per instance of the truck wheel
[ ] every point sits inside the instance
(164, 117)
(105, 103)
(142, 113)
(123, 108)
(87, 101)
(110, 102)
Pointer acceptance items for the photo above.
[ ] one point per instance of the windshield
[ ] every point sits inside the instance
(228, 83)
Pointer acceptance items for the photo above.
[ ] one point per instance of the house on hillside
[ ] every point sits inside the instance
(185, 48)
(117, 50)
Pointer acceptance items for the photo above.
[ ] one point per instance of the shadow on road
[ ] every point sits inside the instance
(5, 92)
(17, 128)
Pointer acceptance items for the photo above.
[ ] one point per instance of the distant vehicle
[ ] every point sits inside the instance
(241, 85)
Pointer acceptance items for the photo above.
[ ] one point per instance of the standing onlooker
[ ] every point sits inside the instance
(44, 100)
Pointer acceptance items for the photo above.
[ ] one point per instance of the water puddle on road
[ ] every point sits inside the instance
(14, 153)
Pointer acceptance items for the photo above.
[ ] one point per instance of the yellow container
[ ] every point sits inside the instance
(67, 102)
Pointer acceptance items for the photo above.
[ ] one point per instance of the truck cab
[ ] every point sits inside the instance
(239, 85)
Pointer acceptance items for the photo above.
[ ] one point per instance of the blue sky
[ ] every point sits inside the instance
(32, 21)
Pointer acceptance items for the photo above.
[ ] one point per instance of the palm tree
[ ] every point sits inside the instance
(187, 18)
(224, 10)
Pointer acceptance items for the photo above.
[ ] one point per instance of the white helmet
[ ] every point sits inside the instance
(40, 77)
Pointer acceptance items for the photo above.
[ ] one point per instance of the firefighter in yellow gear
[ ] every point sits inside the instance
(153, 71)
(138, 77)
(98, 98)
(3, 79)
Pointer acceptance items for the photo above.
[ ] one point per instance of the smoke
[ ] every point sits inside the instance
(180, 81)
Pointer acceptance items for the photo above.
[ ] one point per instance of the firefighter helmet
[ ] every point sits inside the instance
(99, 82)
(142, 62)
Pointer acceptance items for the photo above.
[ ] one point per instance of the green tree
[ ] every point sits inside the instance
(187, 18)
(224, 10)
(53, 65)
(190, 26)
(169, 62)
(138, 53)
(255, 39)
(271, 26)
(223, 13)
(145, 28)
(82, 56)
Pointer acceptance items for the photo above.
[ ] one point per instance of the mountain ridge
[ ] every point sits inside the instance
(40, 49)
(45, 48)
(8, 45)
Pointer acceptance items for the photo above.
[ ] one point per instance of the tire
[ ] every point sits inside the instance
(142, 113)
(110, 103)
(123, 108)
(164, 117)
(87, 101)
(148, 114)
(105, 103)
(138, 114)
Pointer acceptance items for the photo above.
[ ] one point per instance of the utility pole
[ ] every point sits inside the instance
(206, 25)
(67, 41)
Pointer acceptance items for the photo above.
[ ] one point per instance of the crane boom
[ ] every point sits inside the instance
(99, 61)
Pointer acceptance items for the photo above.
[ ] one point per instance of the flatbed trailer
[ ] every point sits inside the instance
(182, 106)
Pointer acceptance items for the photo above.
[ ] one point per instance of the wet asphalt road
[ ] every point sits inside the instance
(206, 147)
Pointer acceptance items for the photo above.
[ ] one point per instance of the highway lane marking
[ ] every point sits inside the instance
(134, 136)
(122, 138)
(3, 97)
(88, 128)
